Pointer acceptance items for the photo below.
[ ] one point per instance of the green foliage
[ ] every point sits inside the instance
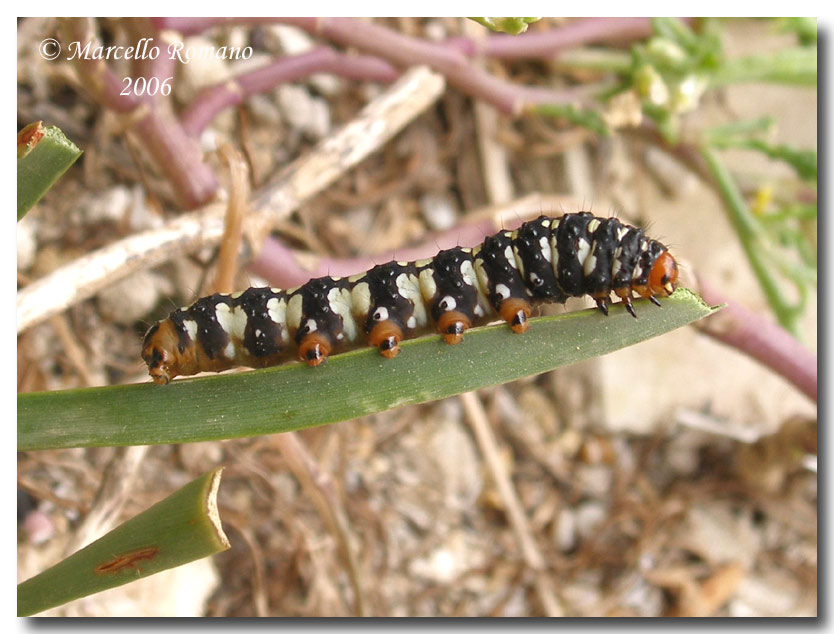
(513, 26)
(43, 155)
(179, 529)
(585, 117)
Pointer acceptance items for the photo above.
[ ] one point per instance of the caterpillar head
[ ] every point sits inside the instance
(664, 275)
(159, 352)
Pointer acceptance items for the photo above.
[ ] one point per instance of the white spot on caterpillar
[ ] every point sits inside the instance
(616, 268)
(335, 279)
(311, 325)
(258, 332)
(468, 273)
(508, 234)
(340, 336)
(191, 328)
(277, 310)
(502, 291)
(402, 263)
(644, 245)
(233, 321)
(618, 252)
(466, 250)
(381, 314)
(420, 264)
(583, 247)
(479, 312)
(510, 257)
(236, 295)
(411, 322)
(621, 233)
(638, 271)
(593, 225)
(275, 290)
(339, 301)
(355, 278)
(544, 247)
(360, 299)
(229, 350)
(448, 303)
(294, 312)
(546, 223)
(409, 287)
(590, 265)
(535, 280)
(483, 278)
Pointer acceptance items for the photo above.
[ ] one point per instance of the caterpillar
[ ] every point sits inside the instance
(544, 260)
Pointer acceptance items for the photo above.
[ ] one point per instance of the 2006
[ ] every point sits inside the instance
(141, 86)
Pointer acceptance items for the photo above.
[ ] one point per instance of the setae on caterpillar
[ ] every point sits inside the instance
(544, 260)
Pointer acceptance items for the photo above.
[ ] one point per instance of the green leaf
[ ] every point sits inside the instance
(43, 155)
(513, 26)
(797, 65)
(584, 117)
(181, 528)
(349, 385)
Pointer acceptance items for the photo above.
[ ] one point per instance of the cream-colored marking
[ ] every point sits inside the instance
(616, 268)
(555, 252)
(583, 247)
(638, 271)
(340, 336)
(546, 223)
(479, 312)
(411, 322)
(236, 295)
(229, 350)
(381, 313)
(232, 320)
(428, 287)
(422, 263)
(402, 263)
(335, 279)
(191, 328)
(466, 250)
(275, 290)
(590, 264)
(483, 278)
(360, 300)
(409, 287)
(510, 257)
(534, 279)
(593, 225)
(508, 234)
(276, 308)
(644, 245)
(448, 303)
(621, 233)
(519, 263)
(339, 301)
(311, 325)
(468, 274)
(294, 312)
(618, 252)
(544, 247)
(258, 332)
(476, 250)
(355, 278)
(292, 290)
(502, 291)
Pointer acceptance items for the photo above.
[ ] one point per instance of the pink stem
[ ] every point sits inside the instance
(747, 331)
(320, 60)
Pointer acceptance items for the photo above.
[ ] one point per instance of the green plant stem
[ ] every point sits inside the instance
(796, 65)
(357, 383)
(181, 528)
(751, 237)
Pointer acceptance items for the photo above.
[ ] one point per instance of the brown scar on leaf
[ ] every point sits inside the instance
(28, 138)
(126, 561)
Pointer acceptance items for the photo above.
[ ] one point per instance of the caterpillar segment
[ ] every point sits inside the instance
(508, 275)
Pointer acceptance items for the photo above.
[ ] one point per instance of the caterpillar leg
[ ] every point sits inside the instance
(314, 349)
(602, 303)
(386, 335)
(452, 326)
(516, 312)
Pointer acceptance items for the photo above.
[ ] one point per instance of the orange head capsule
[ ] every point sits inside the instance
(664, 275)
(160, 351)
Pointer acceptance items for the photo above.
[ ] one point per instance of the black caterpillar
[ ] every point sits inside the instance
(544, 260)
